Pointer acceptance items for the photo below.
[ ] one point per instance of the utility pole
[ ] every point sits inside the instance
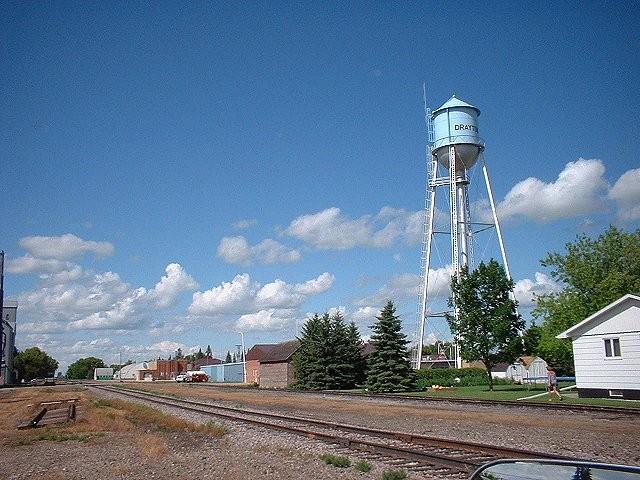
(3, 373)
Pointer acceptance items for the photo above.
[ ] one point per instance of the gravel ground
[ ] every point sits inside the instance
(245, 452)
(593, 436)
(253, 452)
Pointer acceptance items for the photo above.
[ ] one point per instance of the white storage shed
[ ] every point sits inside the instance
(104, 373)
(606, 350)
(527, 369)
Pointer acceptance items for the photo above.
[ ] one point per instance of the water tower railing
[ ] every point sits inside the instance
(455, 139)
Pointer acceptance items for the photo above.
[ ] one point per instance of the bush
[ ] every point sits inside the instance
(336, 461)
(363, 466)
(394, 475)
(469, 377)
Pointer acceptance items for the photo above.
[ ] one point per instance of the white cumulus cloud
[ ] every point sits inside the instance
(244, 296)
(406, 285)
(237, 250)
(526, 290)
(330, 229)
(75, 300)
(265, 320)
(577, 190)
(244, 224)
(64, 246)
(626, 193)
(30, 264)
(176, 280)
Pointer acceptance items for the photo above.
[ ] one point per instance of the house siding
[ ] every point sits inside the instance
(622, 321)
(595, 371)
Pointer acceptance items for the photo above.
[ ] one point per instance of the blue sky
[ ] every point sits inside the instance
(173, 173)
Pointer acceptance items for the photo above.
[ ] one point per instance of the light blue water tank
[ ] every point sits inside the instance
(456, 123)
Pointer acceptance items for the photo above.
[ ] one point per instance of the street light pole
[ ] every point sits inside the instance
(2, 366)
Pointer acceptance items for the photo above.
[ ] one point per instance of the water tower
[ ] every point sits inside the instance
(454, 146)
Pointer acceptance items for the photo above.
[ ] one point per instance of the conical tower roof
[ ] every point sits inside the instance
(456, 102)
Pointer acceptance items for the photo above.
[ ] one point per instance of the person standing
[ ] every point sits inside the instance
(552, 383)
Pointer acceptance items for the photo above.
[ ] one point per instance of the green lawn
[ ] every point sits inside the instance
(514, 392)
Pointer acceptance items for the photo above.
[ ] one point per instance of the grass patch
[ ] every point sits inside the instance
(336, 461)
(153, 446)
(212, 428)
(145, 416)
(394, 475)
(59, 437)
(513, 392)
(363, 466)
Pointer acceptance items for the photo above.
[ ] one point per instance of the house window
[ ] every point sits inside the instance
(612, 347)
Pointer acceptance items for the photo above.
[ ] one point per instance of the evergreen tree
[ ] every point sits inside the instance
(389, 369)
(356, 359)
(311, 361)
(179, 354)
(330, 354)
(340, 372)
(228, 358)
(322, 347)
(235, 358)
(208, 353)
(304, 358)
(199, 355)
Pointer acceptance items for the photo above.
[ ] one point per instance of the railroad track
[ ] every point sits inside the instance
(444, 459)
(472, 401)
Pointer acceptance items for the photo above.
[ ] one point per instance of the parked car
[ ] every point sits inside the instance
(199, 377)
(183, 378)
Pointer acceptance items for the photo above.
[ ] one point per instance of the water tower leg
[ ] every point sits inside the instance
(426, 262)
(495, 219)
(499, 233)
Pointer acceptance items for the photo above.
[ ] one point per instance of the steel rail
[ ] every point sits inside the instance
(473, 454)
(471, 401)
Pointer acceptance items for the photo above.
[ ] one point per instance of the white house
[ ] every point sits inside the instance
(606, 350)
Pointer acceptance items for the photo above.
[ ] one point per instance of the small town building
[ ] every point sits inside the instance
(276, 369)
(201, 362)
(9, 314)
(134, 371)
(253, 358)
(527, 369)
(225, 373)
(105, 373)
(168, 369)
(606, 350)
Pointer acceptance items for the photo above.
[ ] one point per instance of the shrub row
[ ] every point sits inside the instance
(469, 377)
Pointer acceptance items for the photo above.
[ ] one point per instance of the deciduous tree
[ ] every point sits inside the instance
(83, 368)
(487, 327)
(34, 363)
(594, 273)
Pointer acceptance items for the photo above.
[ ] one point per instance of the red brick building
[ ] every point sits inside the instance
(201, 362)
(253, 358)
(167, 369)
(276, 369)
